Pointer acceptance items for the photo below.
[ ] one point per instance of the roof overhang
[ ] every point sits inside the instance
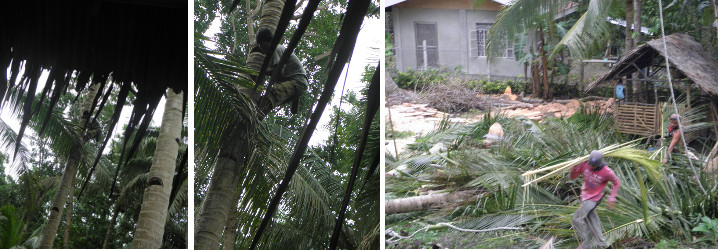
(684, 53)
(390, 3)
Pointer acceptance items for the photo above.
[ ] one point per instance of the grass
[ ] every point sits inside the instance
(399, 134)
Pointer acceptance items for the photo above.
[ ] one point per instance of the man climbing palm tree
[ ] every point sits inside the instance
(595, 177)
(292, 81)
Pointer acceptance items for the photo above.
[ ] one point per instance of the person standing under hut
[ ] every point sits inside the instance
(595, 177)
(674, 133)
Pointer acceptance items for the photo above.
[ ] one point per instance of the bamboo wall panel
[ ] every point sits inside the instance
(637, 118)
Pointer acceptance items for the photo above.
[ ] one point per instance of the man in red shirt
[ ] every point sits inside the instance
(595, 177)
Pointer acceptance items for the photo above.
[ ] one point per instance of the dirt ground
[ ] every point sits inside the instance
(421, 119)
(560, 108)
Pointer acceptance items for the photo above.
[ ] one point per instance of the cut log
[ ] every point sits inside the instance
(520, 106)
(418, 203)
(712, 160)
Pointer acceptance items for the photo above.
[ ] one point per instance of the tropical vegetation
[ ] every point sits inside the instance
(98, 218)
(507, 208)
(515, 193)
(258, 184)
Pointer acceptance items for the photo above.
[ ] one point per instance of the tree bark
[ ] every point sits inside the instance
(544, 65)
(535, 79)
(153, 214)
(106, 242)
(418, 203)
(230, 229)
(217, 203)
(637, 32)
(629, 40)
(68, 217)
(68, 176)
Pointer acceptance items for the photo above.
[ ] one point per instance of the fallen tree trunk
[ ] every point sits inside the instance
(418, 203)
(520, 106)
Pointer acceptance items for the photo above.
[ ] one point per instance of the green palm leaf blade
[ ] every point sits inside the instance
(10, 227)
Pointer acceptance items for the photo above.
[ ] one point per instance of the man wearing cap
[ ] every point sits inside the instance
(292, 81)
(674, 132)
(595, 177)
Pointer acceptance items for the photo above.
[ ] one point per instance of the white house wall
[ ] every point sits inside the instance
(453, 40)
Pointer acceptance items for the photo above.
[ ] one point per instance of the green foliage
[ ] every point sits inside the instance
(709, 228)
(669, 244)
(398, 134)
(389, 49)
(590, 118)
(497, 87)
(10, 227)
(420, 79)
(666, 210)
(494, 87)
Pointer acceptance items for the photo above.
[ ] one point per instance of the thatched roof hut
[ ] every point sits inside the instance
(684, 54)
(142, 44)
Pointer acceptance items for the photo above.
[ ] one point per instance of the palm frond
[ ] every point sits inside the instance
(220, 103)
(180, 200)
(591, 29)
(516, 19)
(10, 227)
(21, 161)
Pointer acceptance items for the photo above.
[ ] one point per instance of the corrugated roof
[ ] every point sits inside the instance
(621, 22)
(684, 53)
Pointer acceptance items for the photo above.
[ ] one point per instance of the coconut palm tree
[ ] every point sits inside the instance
(255, 176)
(150, 225)
(538, 17)
(236, 129)
(66, 184)
(132, 182)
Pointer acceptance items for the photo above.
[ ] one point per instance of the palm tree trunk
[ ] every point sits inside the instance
(109, 228)
(629, 38)
(230, 230)
(217, 204)
(535, 79)
(153, 214)
(68, 176)
(418, 203)
(637, 32)
(544, 65)
(68, 217)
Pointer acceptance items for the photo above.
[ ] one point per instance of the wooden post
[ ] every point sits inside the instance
(581, 82)
(688, 94)
(426, 61)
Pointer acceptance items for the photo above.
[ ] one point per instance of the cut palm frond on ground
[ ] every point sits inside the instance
(626, 151)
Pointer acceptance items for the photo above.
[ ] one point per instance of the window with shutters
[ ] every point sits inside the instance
(427, 45)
